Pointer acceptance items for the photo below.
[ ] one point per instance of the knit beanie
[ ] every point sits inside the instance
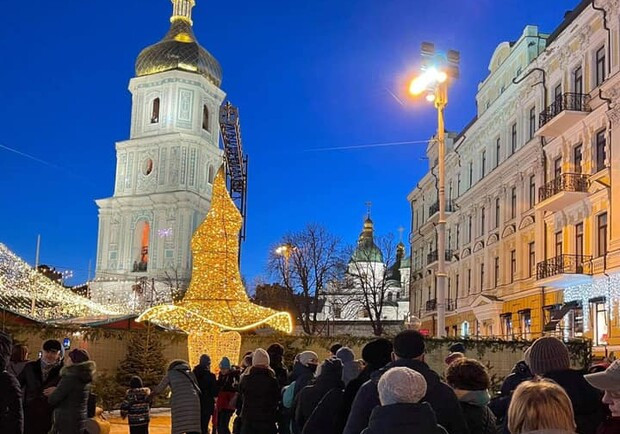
(308, 358)
(79, 356)
(401, 385)
(345, 354)
(377, 353)
(548, 354)
(260, 358)
(334, 348)
(225, 363)
(135, 382)
(331, 368)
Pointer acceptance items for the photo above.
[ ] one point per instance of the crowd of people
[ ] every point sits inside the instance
(390, 390)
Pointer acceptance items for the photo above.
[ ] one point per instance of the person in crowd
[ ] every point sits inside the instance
(246, 363)
(401, 391)
(227, 383)
(261, 395)
(375, 354)
(185, 402)
(540, 407)
(69, 399)
(548, 357)
(136, 406)
(11, 410)
(520, 373)
(452, 357)
(208, 390)
(409, 352)
(328, 385)
(304, 369)
(470, 381)
(351, 368)
(334, 349)
(609, 382)
(457, 347)
(276, 363)
(37, 377)
(19, 359)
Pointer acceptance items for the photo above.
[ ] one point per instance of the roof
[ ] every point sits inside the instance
(569, 17)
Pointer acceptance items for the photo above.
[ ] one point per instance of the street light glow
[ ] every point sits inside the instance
(427, 80)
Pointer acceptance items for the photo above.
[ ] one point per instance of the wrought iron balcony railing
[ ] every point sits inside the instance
(431, 305)
(567, 101)
(573, 182)
(434, 208)
(450, 305)
(564, 264)
(434, 256)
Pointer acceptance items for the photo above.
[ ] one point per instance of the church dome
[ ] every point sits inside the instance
(179, 49)
(367, 250)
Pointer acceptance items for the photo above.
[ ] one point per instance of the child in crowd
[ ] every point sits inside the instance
(137, 407)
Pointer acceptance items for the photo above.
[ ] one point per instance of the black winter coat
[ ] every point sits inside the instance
(403, 419)
(208, 388)
(327, 416)
(439, 395)
(11, 410)
(70, 399)
(480, 420)
(37, 411)
(310, 396)
(261, 395)
(351, 389)
(302, 376)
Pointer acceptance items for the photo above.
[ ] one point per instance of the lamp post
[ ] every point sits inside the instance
(437, 69)
(285, 250)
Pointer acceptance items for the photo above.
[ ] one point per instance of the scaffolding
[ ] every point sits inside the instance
(235, 161)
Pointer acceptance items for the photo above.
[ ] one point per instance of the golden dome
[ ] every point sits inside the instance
(179, 49)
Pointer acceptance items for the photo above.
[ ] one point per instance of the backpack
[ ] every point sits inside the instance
(288, 395)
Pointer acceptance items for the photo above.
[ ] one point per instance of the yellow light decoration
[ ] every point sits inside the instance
(216, 307)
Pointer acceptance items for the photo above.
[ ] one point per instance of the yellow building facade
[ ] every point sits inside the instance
(532, 189)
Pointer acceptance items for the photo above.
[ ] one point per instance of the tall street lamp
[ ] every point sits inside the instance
(437, 71)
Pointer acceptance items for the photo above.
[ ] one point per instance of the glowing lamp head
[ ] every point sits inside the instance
(441, 76)
(430, 97)
(418, 85)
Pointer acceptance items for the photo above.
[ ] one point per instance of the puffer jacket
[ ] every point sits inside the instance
(137, 406)
(403, 419)
(261, 394)
(70, 399)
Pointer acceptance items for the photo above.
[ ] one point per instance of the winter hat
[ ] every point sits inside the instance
(308, 358)
(377, 353)
(345, 354)
(609, 379)
(6, 346)
(205, 361)
(526, 356)
(275, 349)
(330, 368)
(260, 357)
(334, 348)
(79, 356)
(458, 347)
(452, 357)
(135, 382)
(52, 345)
(409, 344)
(225, 363)
(548, 354)
(401, 385)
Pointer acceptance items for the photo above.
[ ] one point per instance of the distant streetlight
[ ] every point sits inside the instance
(437, 69)
(285, 250)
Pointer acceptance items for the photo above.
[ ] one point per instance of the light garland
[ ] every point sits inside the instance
(216, 307)
(608, 287)
(21, 285)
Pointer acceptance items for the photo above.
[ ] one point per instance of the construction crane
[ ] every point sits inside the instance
(235, 161)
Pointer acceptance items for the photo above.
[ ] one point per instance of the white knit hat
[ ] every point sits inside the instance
(260, 357)
(401, 384)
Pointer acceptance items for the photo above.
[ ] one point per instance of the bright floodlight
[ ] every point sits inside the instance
(430, 97)
(428, 78)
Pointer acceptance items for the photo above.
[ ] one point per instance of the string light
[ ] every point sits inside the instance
(21, 286)
(608, 287)
(216, 307)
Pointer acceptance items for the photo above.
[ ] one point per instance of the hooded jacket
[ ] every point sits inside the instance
(11, 412)
(439, 395)
(208, 386)
(137, 406)
(302, 375)
(350, 367)
(404, 418)
(70, 399)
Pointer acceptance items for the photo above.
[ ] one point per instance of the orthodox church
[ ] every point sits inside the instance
(164, 171)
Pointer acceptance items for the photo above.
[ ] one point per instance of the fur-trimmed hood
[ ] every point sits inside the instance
(82, 371)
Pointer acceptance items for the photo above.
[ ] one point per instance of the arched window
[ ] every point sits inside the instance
(211, 174)
(155, 111)
(142, 237)
(205, 118)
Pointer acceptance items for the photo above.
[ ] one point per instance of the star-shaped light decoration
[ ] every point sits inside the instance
(216, 307)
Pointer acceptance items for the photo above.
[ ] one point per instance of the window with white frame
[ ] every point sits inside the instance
(525, 323)
(599, 66)
(599, 319)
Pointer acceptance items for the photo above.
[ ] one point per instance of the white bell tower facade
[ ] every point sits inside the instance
(164, 172)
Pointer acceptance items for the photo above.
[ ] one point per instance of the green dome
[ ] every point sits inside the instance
(367, 250)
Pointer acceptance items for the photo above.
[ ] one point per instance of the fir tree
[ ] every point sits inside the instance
(144, 358)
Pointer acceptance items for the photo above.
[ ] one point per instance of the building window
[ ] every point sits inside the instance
(532, 259)
(481, 276)
(525, 323)
(513, 138)
(579, 241)
(458, 235)
(558, 244)
(458, 185)
(498, 149)
(155, 111)
(532, 122)
(601, 155)
(211, 174)
(532, 191)
(513, 265)
(205, 118)
(578, 80)
(469, 228)
(496, 272)
(468, 280)
(483, 164)
(602, 234)
(598, 313)
(496, 212)
(577, 158)
(471, 174)
(464, 329)
(513, 202)
(557, 94)
(507, 325)
(557, 168)
(141, 242)
(482, 220)
(599, 66)
(572, 324)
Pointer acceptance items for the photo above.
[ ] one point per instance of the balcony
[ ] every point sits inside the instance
(431, 305)
(563, 113)
(434, 208)
(450, 305)
(564, 270)
(564, 190)
(433, 257)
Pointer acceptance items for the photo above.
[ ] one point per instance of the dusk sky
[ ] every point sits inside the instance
(304, 74)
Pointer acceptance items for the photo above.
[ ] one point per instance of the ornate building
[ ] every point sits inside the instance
(532, 187)
(164, 172)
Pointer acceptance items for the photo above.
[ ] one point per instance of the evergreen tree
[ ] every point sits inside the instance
(144, 358)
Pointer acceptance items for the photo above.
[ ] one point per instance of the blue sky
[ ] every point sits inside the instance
(305, 75)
